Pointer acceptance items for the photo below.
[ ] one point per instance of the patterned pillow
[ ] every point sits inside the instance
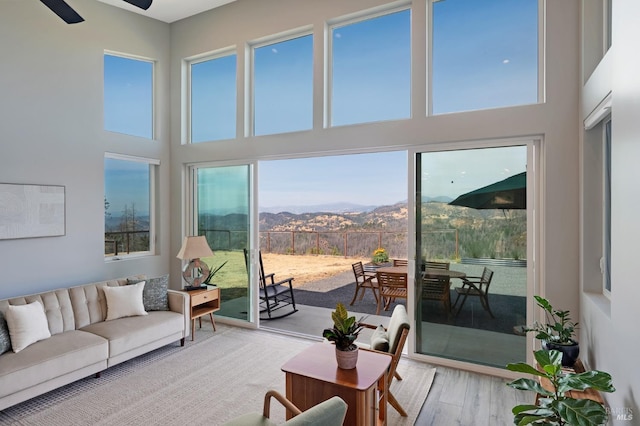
(5, 339)
(154, 295)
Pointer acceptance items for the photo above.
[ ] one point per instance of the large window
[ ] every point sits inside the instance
(128, 205)
(371, 69)
(128, 96)
(283, 86)
(213, 98)
(485, 54)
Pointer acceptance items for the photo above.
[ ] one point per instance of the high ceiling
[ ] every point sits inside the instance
(170, 10)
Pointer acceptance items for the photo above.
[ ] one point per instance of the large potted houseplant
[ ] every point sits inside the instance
(344, 332)
(555, 406)
(557, 332)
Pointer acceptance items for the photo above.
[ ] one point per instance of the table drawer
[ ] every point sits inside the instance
(204, 297)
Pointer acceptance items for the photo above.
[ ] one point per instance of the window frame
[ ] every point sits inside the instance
(153, 63)
(357, 17)
(251, 46)
(188, 101)
(154, 165)
(606, 206)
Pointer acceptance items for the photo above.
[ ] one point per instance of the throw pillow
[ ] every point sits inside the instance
(124, 301)
(154, 295)
(27, 325)
(380, 340)
(5, 339)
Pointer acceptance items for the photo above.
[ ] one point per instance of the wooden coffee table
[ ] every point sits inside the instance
(313, 376)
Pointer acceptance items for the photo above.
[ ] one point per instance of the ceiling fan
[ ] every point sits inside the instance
(70, 16)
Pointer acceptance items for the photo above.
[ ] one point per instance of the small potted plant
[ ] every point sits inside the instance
(380, 255)
(555, 406)
(344, 332)
(212, 273)
(557, 333)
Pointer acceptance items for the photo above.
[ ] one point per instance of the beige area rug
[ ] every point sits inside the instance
(217, 377)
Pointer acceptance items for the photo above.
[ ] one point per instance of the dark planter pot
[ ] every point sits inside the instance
(570, 353)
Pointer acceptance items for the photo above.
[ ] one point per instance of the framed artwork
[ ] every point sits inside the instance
(29, 211)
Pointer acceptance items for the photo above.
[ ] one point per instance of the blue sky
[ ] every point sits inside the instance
(126, 183)
(484, 56)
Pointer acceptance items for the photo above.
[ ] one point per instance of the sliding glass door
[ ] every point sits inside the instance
(472, 246)
(222, 215)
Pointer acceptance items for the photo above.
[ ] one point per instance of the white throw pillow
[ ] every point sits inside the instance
(124, 301)
(27, 324)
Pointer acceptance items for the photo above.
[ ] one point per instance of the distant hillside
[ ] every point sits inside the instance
(386, 218)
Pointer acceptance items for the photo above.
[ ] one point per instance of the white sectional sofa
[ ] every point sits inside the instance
(82, 343)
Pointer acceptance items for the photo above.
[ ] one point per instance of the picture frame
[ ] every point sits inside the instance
(31, 211)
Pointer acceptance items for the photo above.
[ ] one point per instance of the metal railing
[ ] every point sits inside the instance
(126, 240)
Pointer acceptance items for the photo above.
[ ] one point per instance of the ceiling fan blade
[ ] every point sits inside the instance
(142, 4)
(63, 10)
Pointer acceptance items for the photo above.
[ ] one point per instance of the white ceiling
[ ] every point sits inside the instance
(170, 10)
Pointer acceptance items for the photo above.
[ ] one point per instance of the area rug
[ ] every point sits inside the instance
(219, 376)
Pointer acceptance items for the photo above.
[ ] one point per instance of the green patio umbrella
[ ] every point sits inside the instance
(510, 193)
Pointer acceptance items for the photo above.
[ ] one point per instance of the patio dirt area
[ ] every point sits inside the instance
(308, 269)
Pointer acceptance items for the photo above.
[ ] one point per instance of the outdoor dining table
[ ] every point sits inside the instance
(428, 273)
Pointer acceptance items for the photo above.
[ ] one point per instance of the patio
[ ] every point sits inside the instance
(448, 335)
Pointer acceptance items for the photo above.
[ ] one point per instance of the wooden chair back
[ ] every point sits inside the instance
(397, 333)
(400, 262)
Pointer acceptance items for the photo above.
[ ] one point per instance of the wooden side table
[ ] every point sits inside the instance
(203, 302)
(313, 376)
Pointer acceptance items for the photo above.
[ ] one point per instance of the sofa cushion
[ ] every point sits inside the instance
(47, 359)
(5, 339)
(154, 295)
(27, 325)
(125, 334)
(125, 301)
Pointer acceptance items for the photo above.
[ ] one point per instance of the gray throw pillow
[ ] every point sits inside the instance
(154, 295)
(5, 339)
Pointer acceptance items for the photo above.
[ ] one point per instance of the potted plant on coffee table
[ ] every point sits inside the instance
(344, 333)
(555, 406)
(557, 332)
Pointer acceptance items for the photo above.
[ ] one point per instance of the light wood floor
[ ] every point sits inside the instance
(460, 397)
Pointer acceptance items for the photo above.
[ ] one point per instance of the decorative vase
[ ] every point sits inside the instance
(570, 353)
(347, 360)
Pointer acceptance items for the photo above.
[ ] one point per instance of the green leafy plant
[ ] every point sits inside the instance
(558, 328)
(380, 255)
(555, 407)
(345, 329)
(212, 273)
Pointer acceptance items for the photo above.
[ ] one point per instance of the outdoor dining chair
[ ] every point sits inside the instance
(363, 282)
(392, 285)
(476, 286)
(437, 288)
(400, 262)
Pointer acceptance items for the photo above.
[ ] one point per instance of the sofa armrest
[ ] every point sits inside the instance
(179, 301)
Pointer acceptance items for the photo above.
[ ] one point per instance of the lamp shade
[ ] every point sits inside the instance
(194, 248)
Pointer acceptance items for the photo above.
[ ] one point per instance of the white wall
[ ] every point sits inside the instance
(556, 120)
(51, 132)
(609, 333)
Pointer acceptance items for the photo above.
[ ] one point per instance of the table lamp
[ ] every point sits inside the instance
(194, 272)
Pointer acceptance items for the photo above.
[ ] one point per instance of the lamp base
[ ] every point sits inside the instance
(193, 287)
